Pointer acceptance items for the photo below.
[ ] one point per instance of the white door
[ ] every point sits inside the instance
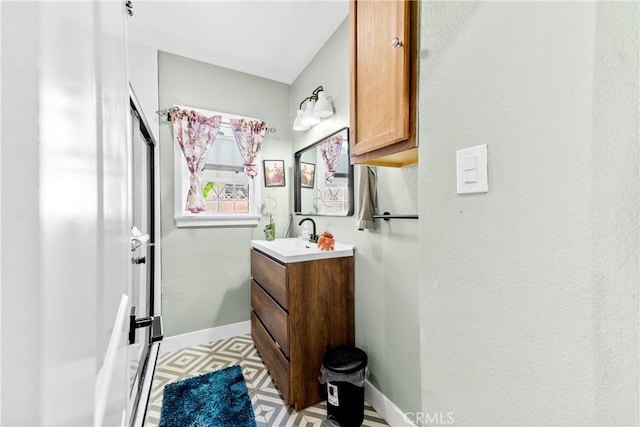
(65, 214)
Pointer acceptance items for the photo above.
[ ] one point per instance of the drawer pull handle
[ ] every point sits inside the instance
(396, 42)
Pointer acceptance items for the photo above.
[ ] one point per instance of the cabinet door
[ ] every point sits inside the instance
(380, 74)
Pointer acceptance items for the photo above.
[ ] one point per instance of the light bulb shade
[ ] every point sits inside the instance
(297, 123)
(323, 107)
(308, 117)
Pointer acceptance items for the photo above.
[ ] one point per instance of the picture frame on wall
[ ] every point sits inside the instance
(274, 173)
(307, 175)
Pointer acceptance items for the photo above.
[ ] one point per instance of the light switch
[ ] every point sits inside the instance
(471, 170)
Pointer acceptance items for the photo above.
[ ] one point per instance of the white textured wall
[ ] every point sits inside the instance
(386, 260)
(65, 222)
(529, 293)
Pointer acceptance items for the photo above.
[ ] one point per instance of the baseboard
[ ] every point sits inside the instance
(385, 407)
(203, 336)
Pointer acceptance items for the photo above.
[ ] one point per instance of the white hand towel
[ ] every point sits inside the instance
(367, 198)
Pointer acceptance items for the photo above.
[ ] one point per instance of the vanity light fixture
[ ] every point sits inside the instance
(309, 117)
(318, 107)
(323, 107)
(297, 123)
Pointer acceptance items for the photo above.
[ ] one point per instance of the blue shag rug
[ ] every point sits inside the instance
(217, 399)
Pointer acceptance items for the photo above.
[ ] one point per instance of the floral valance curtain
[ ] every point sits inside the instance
(249, 135)
(195, 134)
(330, 151)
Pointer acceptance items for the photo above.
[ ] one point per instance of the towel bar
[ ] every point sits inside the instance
(387, 216)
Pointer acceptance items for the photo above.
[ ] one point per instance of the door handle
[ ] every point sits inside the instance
(137, 238)
(155, 322)
(138, 260)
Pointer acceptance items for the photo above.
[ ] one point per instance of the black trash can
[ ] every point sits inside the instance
(344, 371)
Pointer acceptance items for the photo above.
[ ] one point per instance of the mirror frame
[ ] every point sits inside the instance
(297, 187)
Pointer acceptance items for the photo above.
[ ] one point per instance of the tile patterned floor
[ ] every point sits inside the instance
(268, 405)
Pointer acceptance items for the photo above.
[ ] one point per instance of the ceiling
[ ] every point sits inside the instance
(274, 39)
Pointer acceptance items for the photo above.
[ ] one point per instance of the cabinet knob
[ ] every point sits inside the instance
(396, 42)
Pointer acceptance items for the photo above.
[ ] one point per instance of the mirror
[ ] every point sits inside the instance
(323, 177)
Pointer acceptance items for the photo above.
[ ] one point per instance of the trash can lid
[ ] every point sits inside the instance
(344, 359)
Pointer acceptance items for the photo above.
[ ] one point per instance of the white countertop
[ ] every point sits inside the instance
(298, 250)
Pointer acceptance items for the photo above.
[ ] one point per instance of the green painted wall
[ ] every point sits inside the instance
(386, 260)
(515, 307)
(206, 270)
(529, 293)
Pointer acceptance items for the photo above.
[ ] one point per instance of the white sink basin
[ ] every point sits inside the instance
(297, 250)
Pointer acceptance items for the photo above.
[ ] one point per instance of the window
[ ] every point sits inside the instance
(333, 193)
(230, 197)
(334, 200)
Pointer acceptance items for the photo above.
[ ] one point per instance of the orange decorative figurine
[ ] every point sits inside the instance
(326, 242)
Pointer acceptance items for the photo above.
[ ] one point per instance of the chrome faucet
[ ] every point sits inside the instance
(314, 237)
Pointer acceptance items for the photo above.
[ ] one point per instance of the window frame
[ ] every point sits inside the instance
(181, 186)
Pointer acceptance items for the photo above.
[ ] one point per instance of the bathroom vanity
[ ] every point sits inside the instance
(302, 305)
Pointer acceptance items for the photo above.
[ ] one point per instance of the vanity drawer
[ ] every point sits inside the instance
(272, 276)
(275, 362)
(272, 316)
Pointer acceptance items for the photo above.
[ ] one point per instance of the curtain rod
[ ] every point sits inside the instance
(164, 117)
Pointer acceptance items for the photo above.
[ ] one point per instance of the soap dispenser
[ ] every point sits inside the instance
(309, 236)
(305, 233)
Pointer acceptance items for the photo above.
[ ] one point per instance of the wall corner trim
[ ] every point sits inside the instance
(388, 410)
(204, 336)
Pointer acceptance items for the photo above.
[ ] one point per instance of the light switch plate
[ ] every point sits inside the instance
(471, 170)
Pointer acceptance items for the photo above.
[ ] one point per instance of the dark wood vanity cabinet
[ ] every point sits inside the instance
(298, 311)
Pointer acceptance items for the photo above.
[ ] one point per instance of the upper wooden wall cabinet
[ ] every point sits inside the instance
(384, 56)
